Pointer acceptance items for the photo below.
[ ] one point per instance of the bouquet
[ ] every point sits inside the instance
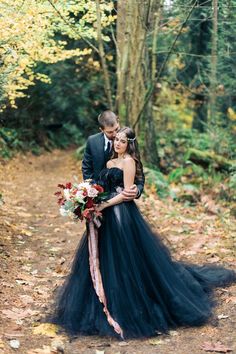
(78, 200)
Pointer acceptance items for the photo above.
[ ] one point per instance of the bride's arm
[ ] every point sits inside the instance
(129, 169)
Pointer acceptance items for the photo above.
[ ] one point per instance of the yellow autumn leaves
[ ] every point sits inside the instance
(47, 329)
(27, 36)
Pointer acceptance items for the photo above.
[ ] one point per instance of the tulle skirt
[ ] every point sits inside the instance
(147, 292)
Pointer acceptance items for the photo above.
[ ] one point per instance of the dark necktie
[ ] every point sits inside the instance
(107, 151)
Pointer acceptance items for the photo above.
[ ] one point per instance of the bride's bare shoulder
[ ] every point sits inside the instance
(128, 160)
(111, 163)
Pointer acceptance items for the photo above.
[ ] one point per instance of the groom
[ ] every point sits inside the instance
(99, 150)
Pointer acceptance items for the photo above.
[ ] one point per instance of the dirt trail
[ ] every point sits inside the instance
(37, 246)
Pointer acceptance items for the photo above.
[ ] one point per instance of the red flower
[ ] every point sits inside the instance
(98, 188)
(90, 203)
(69, 185)
(85, 193)
(61, 201)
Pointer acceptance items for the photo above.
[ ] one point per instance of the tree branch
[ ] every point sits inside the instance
(75, 30)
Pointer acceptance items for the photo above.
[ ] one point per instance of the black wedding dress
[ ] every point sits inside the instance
(147, 292)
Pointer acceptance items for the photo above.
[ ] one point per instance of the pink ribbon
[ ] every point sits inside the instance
(96, 274)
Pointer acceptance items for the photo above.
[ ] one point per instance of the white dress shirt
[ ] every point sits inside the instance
(106, 142)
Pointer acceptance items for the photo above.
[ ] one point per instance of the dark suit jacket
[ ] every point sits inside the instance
(94, 157)
(94, 160)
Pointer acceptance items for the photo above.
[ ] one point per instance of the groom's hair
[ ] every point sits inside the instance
(107, 119)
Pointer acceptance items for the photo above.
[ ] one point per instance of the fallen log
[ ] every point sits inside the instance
(207, 158)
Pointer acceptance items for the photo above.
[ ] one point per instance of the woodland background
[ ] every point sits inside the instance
(167, 68)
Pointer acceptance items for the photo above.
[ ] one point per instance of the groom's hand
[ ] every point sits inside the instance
(131, 193)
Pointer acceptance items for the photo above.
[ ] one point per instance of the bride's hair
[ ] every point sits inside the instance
(132, 150)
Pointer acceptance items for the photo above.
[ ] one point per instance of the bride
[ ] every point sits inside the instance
(144, 291)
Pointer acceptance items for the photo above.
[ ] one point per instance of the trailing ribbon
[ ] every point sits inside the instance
(96, 274)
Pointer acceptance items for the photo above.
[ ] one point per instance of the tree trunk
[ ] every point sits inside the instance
(150, 147)
(103, 57)
(213, 79)
(136, 65)
(133, 75)
(131, 34)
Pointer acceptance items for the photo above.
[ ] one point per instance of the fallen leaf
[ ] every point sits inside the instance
(13, 335)
(8, 285)
(155, 341)
(96, 345)
(173, 333)
(122, 344)
(58, 346)
(210, 205)
(45, 350)
(17, 314)
(46, 329)
(215, 347)
(26, 232)
(231, 299)
(57, 229)
(213, 259)
(55, 249)
(59, 269)
(24, 282)
(26, 299)
(222, 316)
(23, 214)
(2, 344)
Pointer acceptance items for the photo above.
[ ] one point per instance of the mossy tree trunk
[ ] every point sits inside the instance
(131, 35)
(137, 26)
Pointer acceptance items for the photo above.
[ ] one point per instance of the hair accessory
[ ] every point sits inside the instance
(131, 139)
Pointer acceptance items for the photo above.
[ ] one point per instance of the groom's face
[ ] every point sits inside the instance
(110, 132)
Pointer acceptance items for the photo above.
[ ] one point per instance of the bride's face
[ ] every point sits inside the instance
(120, 143)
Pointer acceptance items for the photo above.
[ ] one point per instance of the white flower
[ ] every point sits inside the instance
(92, 192)
(80, 194)
(84, 185)
(63, 212)
(66, 192)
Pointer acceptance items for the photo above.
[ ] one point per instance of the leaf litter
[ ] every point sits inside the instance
(33, 268)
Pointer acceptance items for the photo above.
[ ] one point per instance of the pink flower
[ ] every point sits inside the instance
(92, 192)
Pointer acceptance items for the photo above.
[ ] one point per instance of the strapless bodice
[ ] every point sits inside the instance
(111, 178)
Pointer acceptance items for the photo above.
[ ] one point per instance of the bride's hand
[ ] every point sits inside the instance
(100, 207)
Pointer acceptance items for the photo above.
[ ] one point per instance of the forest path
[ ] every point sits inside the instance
(37, 246)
